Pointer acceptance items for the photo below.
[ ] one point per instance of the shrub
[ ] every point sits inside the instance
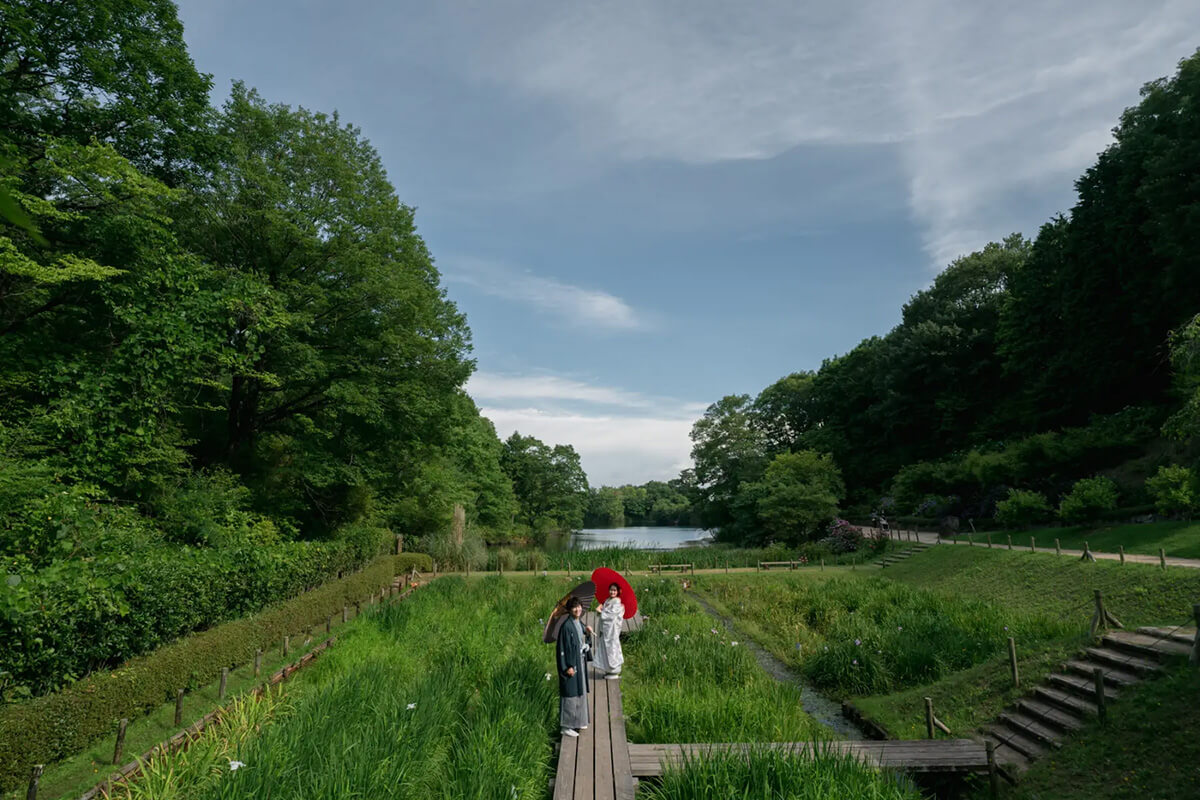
(843, 537)
(1023, 508)
(405, 562)
(52, 727)
(798, 494)
(1088, 500)
(535, 560)
(1176, 491)
(506, 559)
(75, 616)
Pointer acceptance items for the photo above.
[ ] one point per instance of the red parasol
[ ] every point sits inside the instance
(605, 577)
(558, 616)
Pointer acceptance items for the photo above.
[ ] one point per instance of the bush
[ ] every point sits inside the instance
(844, 537)
(49, 728)
(1088, 500)
(535, 560)
(506, 559)
(406, 562)
(1023, 508)
(75, 616)
(1176, 491)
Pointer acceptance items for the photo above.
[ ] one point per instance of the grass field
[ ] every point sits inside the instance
(445, 696)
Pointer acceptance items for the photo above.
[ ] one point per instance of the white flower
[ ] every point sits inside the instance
(234, 766)
(411, 706)
(547, 676)
(714, 630)
(734, 644)
(677, 637)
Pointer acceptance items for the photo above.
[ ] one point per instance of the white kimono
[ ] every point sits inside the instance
(608, 641)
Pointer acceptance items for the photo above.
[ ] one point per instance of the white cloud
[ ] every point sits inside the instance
(614, 450)
(573, 304)
(621, 436)
(987, 106)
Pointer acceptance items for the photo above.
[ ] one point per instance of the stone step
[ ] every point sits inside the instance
(1122, 660)
(1081, 686)
(1117, 677)
(1182, 635)
(1155, 647)
(1032, 728)
(1067, 701)
(1023, 743)
(1050, 715)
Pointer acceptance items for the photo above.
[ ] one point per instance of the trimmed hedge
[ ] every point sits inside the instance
(50, 728)
(76, 616)
(406, 561)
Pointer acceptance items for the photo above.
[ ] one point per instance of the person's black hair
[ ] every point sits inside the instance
(574, 601)
(614, 583)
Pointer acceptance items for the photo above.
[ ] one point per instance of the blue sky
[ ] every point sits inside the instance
(643, 206)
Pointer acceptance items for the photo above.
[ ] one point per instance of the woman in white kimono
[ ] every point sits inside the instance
(608, 644)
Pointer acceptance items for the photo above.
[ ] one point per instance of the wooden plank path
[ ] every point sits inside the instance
(596, 765)
(922, 755)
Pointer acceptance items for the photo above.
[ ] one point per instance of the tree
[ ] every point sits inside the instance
(784, 411)
(113, 71)
(605, 509)
(550, 485)
(348, 356)
(798, 495)
(728, 449)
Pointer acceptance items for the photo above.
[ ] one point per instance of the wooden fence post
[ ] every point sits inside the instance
(1162, 558)
(257, 662)
(993, 773)
(1087, 552)
(822, 563)
(1032, 545)
(224, 683)
(120, 746)
(970, 540)
(1101, 618)
(989, 540)
(35, 777)
(1194, 658)
(287, 642)
(929, 717)
(1098, 676)
(345, 613)
(1057, 548)
(178, 707)
(357, 608)
(399, 543)
(1012, 660)
(1010, 541)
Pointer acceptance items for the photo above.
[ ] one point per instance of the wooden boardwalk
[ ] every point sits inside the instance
(922, 755)
(595, 766)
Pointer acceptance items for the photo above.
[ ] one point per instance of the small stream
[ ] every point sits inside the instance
(821, 708)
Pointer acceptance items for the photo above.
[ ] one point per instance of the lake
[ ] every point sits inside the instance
(643, 538)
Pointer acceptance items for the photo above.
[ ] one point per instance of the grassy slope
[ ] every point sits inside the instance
(1179, 539)
(1150, 750)
(1137, 594)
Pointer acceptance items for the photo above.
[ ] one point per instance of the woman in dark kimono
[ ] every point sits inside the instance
(572, 671)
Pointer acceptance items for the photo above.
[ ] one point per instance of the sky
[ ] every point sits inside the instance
(645, 205)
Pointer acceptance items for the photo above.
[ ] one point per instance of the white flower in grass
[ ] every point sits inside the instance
(899, 627)
(234, 766)
(547, 676)
(411, 706)
(734, 644)
(714, 630)
(856, 662)
(858, 642)
(514, 792)
(677, 637)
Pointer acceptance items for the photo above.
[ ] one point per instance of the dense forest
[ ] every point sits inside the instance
(1024, 368)
(226, 355)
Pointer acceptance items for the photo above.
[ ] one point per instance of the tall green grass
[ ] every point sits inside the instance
(770, 774)
(708, 557)
(854, 636)
(688, 681)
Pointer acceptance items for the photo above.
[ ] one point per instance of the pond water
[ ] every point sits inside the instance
(643, 538)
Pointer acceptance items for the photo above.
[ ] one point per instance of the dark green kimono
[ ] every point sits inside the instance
(569, 651)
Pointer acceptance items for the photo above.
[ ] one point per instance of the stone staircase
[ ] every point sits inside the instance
(899, 555)
(1067, 700)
